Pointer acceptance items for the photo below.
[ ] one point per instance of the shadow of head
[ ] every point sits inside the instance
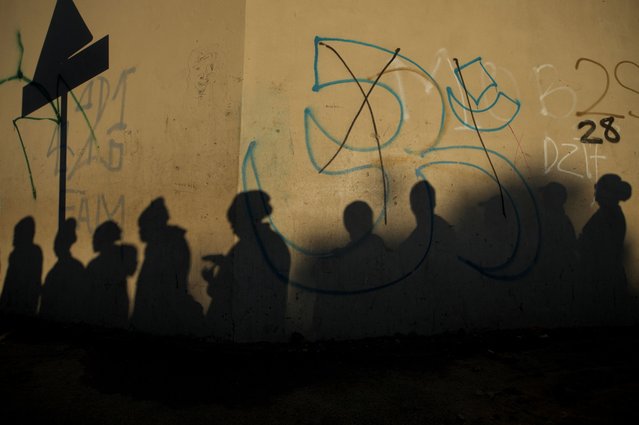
(106, 235)
(24, 232)
(422, 200)
(554, 195)
(247, 209)
(358, 219)
(610, 190)
(153, 219)
(65, 238)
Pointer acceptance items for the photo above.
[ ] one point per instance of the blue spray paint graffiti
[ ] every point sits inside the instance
(454, 102)
(505, 270)
(319, 85)
(248, 166)
(494, 271)
(498, 272)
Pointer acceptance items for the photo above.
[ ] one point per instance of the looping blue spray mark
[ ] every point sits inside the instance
(453, 101)
(512, 255)
(249, 166)
(492, 83)
(309, 118)
(492, 271)
(337, 141)
(248, 163)
(318, 85)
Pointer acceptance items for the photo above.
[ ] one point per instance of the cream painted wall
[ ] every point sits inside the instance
(198, 137)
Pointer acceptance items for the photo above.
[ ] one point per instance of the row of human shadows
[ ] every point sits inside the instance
(98, 293)
(247, 297)
(576, 280)
(248, 285)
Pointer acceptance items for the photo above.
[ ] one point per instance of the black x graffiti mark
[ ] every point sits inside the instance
(501, 192)
(370, 110)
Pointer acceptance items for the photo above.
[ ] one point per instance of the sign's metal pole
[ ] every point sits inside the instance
(63, 161)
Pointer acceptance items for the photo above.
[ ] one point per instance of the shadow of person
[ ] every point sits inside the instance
(433, 302)
(107, 276)
(65, 290)
(555, 274)
(345, 278)
(492, 243)
(23, 281)
(603, 290)
(162, 301)
(248, 285)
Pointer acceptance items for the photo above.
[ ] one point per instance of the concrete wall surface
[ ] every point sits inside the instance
(341, 169)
